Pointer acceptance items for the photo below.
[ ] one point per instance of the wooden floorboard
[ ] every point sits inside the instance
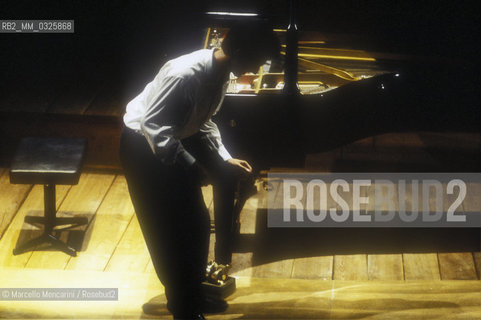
(211, 253)
(472, 203)
(477, 259)
(242, 264)
(277, 269)
(349, 267)
(208, 195)
(282, 268)
(242, 261)
(20, 232)
(406, 300)
(83, 199)
(254, 298)
(457, 266)
(248, 216)
(11, 198)
(352, 266)
(384, 266)
(131, 253)
(313, 268)
(149, 268)
(134, 289)
(421, 266)
(114, 241)
(106, 230)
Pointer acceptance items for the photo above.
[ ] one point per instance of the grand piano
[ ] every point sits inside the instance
(327, 93)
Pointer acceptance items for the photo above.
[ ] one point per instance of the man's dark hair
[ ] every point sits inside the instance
(251, 38)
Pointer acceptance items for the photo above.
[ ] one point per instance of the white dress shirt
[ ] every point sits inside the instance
(178, 103)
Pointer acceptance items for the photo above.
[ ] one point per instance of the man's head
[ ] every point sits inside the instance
(249, 45)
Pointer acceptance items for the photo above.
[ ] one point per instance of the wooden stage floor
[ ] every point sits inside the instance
(322, 282)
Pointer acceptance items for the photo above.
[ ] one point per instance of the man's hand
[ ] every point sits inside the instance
(244, 165)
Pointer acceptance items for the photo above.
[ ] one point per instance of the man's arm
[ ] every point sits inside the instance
(210, 129)
(215, 143)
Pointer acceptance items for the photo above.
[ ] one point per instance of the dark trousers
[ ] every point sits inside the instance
(173, 217)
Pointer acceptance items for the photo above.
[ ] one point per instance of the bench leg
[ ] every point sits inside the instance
(49, 203)
(50, 221)
(32, 243)
(44, 238)
(62, 246)
(72, 221)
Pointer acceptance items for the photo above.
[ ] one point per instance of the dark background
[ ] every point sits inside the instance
(132, 39)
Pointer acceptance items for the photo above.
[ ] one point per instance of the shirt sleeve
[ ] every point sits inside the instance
(168, 109)
(215, 142)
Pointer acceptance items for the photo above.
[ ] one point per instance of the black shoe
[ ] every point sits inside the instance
(210, 305)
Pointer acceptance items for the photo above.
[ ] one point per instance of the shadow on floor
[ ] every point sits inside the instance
(274, 244)
(75, 237)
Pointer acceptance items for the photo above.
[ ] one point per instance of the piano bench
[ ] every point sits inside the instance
(49, 161)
